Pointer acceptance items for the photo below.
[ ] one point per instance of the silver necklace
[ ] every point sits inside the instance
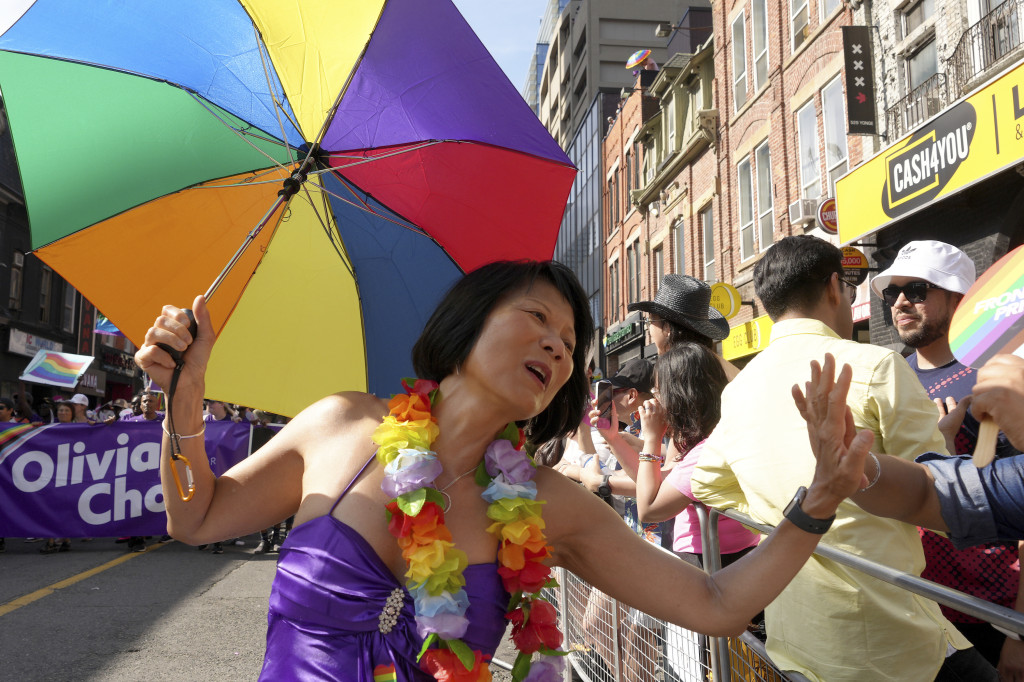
(447, 499)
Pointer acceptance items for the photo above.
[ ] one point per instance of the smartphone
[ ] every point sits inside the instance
(604, 404)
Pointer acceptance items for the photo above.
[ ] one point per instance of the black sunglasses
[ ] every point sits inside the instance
(915, 292)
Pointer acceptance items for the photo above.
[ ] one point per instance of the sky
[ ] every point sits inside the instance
(508, 28)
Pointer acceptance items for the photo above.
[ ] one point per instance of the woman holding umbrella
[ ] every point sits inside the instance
(440, 470)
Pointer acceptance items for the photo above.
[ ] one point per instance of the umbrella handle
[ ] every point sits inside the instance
(179, 355)
(185, 496)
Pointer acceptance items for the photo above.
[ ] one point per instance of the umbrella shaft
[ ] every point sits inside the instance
(245, 245)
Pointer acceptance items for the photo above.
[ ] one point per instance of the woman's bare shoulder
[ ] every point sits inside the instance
(342, 411)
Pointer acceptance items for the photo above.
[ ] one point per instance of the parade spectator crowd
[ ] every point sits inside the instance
(689, 426)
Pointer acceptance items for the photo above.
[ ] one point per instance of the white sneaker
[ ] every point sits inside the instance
(239, 542)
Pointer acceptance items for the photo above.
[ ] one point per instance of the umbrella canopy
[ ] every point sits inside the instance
(152, 138)
(637, 58)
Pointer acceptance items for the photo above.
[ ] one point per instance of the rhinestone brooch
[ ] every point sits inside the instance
(392, 608)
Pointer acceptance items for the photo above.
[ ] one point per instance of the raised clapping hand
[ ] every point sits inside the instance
(839, 449)
(171, 328)
(999, 394)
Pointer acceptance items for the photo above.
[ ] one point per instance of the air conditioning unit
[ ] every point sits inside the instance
(803, 211)
(19, 259)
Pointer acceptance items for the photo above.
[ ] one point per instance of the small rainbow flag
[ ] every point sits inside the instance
(56, 369)
(105, 326)
(990, 317)
(385, 673)
(11, 432)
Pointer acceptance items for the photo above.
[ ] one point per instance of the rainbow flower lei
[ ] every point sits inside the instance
(435, 576)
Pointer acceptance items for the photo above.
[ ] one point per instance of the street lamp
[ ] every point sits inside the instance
(664, 30)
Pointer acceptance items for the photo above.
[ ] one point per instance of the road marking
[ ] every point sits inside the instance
(27, 599)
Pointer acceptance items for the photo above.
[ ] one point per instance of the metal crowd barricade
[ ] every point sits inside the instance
(609, 641)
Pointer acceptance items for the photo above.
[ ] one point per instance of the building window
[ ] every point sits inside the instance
(807, 132)
(916, 15)
(613, 290)
(834, 116)
(695, 97)
(629, 173)
(68, 318)
(799, 23)
(759, 29)
(633, 272)
(746, 200)
(827, 7)
(658, 265)
(707, 224)
(766, 216)
(17, 280)
(615, 198)
(45, 291)
(670, 113)
(636, 164)
(739, 62)
(922, 65)
(680, 248)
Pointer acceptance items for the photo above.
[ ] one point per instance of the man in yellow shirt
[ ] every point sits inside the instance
(832, 623)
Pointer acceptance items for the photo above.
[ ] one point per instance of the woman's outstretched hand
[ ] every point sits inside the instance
(171, 328)
(839, 449)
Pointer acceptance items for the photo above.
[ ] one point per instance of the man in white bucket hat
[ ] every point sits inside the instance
(922, 289)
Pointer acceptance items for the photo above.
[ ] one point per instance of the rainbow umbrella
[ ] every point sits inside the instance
(637, 58)
(332, 167)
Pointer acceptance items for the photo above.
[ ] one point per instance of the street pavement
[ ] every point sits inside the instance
(172, 612)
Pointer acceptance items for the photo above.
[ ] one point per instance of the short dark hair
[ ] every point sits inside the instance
(456, 323)
(794, 273)
(690, 385)
(7, 402)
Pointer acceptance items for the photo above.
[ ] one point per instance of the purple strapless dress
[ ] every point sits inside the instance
(326, 601)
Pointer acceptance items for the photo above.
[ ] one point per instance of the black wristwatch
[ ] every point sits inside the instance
(801, 520)
(604, 490)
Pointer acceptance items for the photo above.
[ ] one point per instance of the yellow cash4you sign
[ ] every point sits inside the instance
(970, 141)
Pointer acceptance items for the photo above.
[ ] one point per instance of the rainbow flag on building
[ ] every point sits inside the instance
(56, 369)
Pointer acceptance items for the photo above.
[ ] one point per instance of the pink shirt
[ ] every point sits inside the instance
(732, 536)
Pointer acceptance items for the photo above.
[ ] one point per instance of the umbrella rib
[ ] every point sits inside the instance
(278, 105)
(366, 207)
(242, 135)
(363, 159)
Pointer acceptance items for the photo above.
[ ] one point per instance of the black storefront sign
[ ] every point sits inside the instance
(862, 118)
(118, 362)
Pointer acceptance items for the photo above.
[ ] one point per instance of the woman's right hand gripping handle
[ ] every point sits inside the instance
(171, 328)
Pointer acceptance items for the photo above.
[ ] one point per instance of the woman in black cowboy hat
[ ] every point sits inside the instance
(681, 311)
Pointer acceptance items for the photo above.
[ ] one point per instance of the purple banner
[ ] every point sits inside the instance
(77, 480)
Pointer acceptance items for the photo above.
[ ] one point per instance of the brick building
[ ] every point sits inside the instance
(947, 71)
(749, 138)
(784, 142)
